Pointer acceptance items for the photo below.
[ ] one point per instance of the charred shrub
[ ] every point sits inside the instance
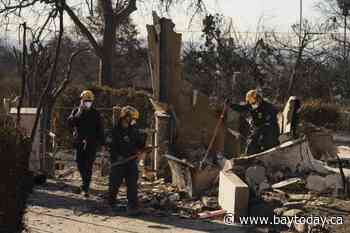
(16, 179)
(320, 113)
(105, 99)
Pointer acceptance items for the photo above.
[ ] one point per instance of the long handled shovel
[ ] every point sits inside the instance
(221, 121)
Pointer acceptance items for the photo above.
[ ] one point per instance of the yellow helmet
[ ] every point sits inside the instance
(87, 95)
(252, 97)
(131, 111)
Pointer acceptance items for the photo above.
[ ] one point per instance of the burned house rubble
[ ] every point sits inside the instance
(183, 121)
(196, 169)
(282, 180)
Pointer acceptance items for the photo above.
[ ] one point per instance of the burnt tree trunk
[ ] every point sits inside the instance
(108, 50)
(112, 17)
(46, 119)
(293, 77)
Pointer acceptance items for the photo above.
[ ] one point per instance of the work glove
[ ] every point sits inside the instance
(80, 108)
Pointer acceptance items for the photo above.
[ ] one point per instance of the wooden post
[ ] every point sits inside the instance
(153, 56)
(162, 121)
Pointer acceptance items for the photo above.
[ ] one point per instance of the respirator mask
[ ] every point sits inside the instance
(88, 104)
(255, 106)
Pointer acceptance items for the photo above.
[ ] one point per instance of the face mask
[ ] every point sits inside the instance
(126, 122)
(88, 104)
(255, 106)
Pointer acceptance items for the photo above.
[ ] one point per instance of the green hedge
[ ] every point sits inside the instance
(106, 97)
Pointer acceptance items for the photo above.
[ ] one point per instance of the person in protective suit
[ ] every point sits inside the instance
(88, 134)
(127, 141)
(264, 129)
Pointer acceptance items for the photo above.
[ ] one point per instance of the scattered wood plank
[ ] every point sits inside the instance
(182, 161)
(286, 183)
(211, 214)
(67, 172)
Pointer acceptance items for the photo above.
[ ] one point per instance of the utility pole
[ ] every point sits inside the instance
(300, 22)
(345, 14)
(345, 26)
(344, 5)
(23, 73)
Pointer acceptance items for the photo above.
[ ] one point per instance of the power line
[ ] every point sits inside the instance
(263, 32)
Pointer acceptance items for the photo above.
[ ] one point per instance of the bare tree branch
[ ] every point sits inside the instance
(130, 8)
(48, 87)
(12, 8)
(67, 78)
(83, 29)
(51, 15)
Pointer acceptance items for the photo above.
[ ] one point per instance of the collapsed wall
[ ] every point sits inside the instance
(191, 120)
(290, 166)
(292, 157)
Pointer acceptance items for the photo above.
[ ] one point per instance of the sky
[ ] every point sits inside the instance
(275, 14)
(245, 14)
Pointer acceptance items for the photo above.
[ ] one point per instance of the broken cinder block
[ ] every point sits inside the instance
(233, 194)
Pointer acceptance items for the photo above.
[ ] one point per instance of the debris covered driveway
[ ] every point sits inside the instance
(55, 208)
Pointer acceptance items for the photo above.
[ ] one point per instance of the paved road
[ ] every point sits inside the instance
(54, 209)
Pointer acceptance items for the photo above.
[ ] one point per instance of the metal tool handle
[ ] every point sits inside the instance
(222, 116)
